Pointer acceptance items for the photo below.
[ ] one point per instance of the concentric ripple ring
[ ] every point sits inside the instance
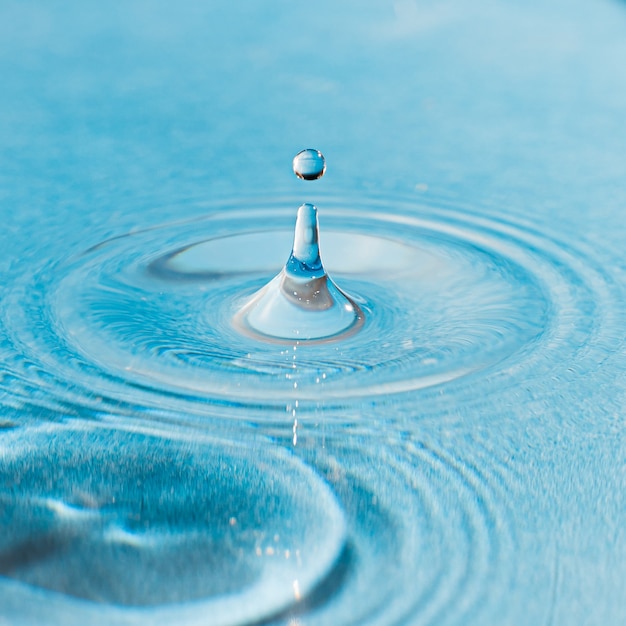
(126, 526)
(147, 317)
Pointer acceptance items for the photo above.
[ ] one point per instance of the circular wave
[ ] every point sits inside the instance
(429, 540)
(116, 526)
(146, 318)
(455, 305)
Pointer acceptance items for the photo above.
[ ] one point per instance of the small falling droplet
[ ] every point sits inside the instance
(309, 164)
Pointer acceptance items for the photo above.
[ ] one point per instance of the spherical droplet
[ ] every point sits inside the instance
(309, 164)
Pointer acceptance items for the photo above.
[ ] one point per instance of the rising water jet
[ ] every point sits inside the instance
(302, 302)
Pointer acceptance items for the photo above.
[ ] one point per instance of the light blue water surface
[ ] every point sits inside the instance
(459, 460)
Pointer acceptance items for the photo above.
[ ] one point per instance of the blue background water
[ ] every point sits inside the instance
(496, 498)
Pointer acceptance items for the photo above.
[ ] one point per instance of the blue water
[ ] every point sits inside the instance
(458, 460)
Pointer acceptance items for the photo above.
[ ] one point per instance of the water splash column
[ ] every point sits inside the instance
(302, 302)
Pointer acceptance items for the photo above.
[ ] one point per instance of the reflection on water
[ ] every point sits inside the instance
(153, 520)
(458, 460)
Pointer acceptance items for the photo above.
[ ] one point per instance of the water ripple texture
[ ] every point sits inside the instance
(174, 467)
(128, 526)
(446, 297)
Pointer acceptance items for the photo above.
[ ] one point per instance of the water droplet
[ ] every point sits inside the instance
(301, 302)
(309, 164)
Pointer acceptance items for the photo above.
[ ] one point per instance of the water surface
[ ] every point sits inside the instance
(458, 460)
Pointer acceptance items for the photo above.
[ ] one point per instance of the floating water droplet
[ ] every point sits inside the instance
(309, 164)
(301, 303)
